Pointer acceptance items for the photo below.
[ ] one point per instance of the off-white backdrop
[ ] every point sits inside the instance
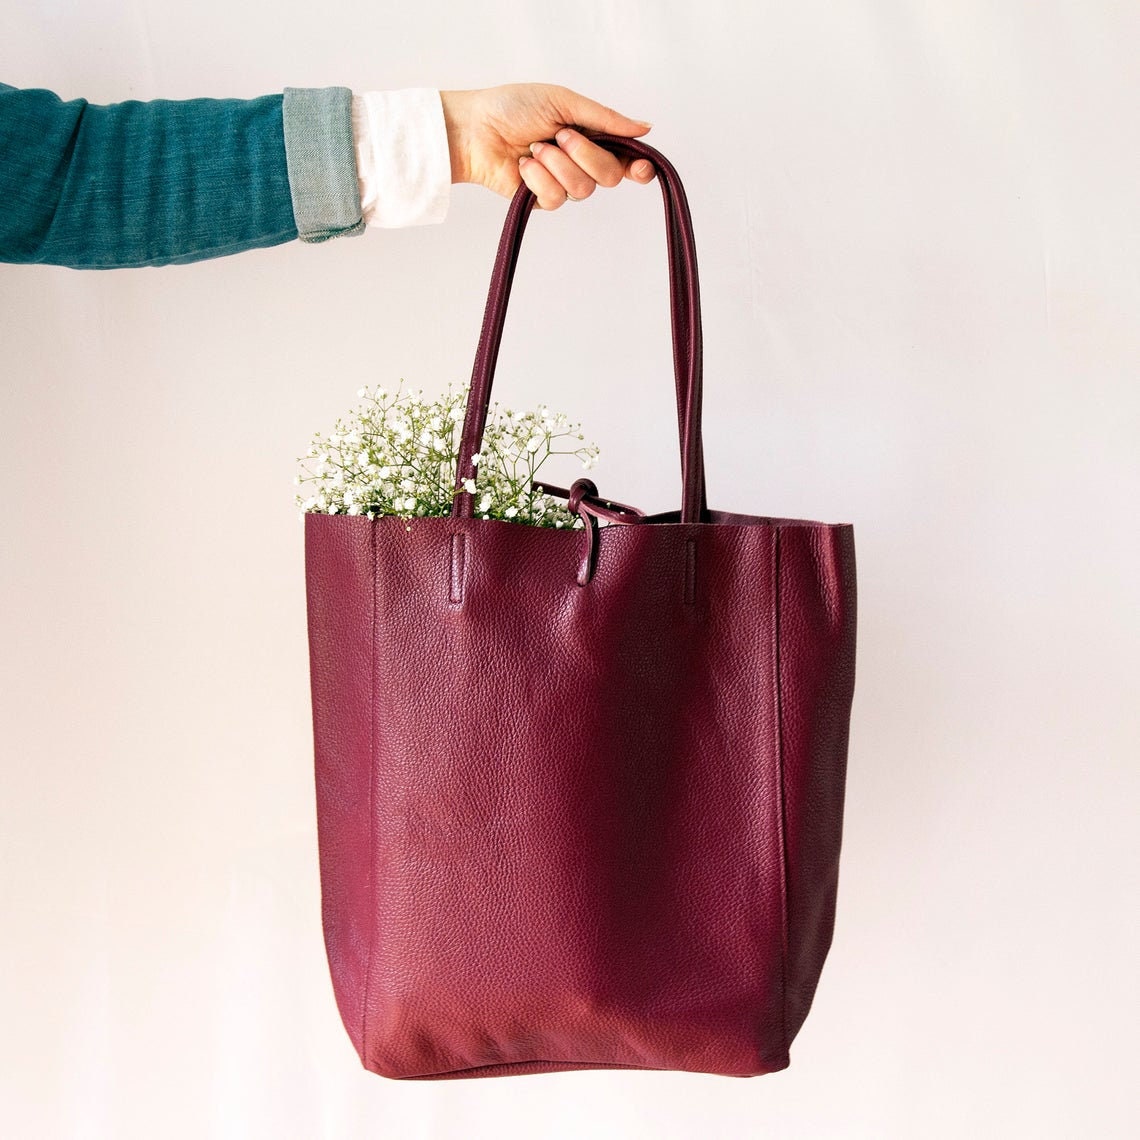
(917, 231)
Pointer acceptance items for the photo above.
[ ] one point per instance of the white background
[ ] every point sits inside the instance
(917, 231)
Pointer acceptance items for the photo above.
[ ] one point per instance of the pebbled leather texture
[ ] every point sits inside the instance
(575, 820)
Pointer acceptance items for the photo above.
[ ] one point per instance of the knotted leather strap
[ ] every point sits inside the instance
(582, 500)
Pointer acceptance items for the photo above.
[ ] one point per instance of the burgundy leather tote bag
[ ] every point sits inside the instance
(580, 791)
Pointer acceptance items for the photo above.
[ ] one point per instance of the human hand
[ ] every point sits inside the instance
(489, 130)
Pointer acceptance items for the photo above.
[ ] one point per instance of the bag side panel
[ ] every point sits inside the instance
(339, 587)
(817, 677)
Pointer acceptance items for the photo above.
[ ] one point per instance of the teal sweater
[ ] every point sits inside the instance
(171, 181)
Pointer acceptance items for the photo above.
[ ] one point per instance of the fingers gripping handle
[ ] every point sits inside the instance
(684, 296)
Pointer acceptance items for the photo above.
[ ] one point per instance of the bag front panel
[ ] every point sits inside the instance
(577, 849)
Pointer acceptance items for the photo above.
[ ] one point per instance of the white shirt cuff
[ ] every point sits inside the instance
(403, 162)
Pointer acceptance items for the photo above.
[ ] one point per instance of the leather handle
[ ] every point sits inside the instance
(685, 307)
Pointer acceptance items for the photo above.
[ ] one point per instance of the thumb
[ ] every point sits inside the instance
(579, 111)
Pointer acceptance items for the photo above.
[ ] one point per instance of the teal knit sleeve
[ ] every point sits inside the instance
(171, 181)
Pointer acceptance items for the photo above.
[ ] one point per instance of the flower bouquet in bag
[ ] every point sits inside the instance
(396, 454)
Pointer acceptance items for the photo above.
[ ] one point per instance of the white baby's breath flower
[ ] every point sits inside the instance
(365, 466)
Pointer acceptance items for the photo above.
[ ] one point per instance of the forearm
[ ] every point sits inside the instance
(172, 181)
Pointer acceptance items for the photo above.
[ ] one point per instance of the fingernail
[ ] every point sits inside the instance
(524, 159)
(563, 136)
(536, 148)
(642, 123)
